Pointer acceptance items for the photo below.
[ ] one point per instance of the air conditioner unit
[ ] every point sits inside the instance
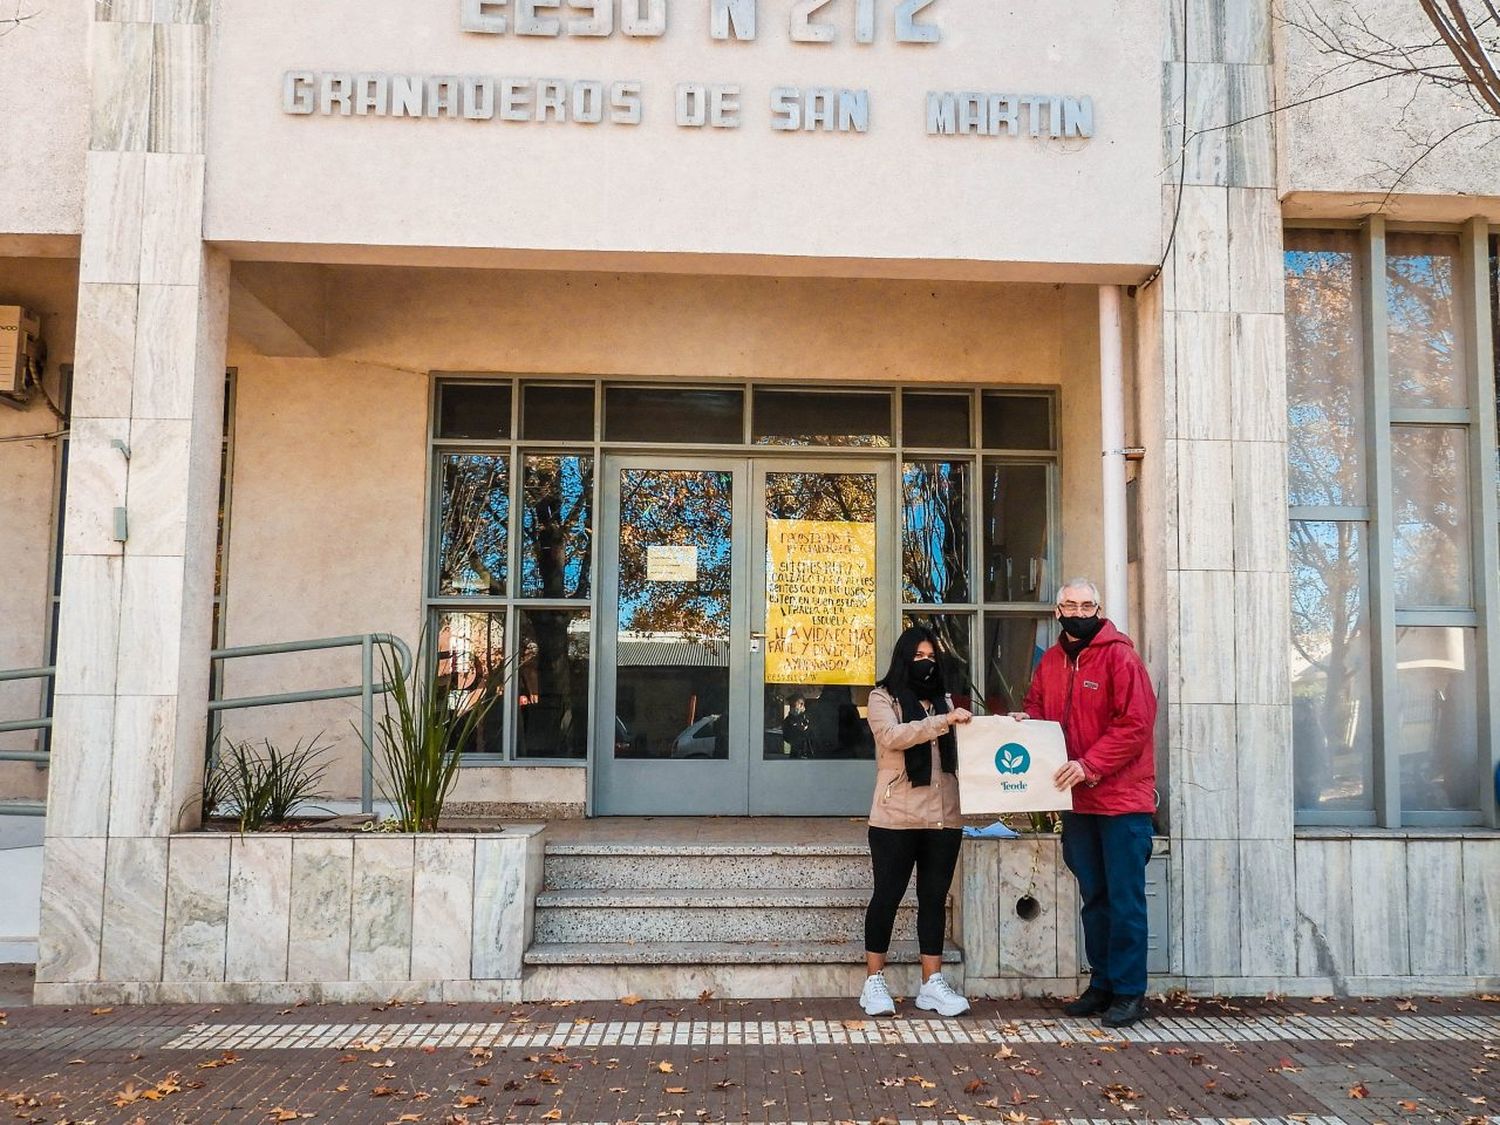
(21, 353)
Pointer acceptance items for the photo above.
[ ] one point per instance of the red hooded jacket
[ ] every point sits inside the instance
(1108, 714)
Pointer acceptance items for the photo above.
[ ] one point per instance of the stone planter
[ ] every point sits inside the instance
(279, 917)
(1011, 947)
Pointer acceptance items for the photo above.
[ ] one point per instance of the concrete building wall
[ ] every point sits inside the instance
(44, 89)
(328, 510)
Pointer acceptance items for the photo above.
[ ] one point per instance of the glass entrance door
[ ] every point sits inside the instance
(742, 626)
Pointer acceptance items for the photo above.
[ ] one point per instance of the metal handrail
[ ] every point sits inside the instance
(367, 689)
(43, 723)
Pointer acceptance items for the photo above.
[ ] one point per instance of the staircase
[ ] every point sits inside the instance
(737, 919)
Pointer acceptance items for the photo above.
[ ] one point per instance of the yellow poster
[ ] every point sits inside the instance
(820, 602)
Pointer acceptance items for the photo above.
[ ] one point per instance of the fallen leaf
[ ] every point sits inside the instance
(528, 1101)
(664, 1066)
(1359, 1090)
(619, 1089)
(280, 1113)
(101, 1011)
(705, 996)
(724, 1085)
(1408, 1105)
(552, 1115)
(675, 1089)
(856, 1025)
(1004, 1053)
(228, 1058)
(466, 1100)
(975, 1086)
(631, 999)
(1406, 1005)
(928, 1104)
(384, 1091)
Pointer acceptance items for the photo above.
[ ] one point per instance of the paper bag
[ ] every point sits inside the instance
(1006, 765)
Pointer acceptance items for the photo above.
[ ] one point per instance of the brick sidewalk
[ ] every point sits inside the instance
(1232, 1062)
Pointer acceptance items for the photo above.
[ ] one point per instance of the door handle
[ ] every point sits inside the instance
(757, 636)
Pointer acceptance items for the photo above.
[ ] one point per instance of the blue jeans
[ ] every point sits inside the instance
(1107, 855)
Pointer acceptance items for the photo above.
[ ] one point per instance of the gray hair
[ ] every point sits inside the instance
(1079, 583)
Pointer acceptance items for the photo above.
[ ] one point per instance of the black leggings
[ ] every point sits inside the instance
(894, 852)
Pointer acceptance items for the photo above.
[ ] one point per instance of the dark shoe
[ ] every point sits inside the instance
(1125, 1011)
(1091, 1003)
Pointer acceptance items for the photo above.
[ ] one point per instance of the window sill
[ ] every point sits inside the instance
(1447, 832)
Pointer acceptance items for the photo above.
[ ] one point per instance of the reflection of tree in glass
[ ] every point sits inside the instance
(838, 497)
(557, 527)
(1332, 676)
(1430, 544)
(1426, 358)
(935, 531)
(1325, 369)
(676, 507)
(472, 535)
(952, 631)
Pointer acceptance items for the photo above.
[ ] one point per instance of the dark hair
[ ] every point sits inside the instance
(896, 680)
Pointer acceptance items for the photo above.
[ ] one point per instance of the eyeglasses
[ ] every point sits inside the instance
(1078, 607)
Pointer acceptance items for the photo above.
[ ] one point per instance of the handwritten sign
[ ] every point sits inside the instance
(820, 602)
(671, 564)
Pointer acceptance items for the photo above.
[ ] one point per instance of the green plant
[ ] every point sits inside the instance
(427, 722)
(261, 788)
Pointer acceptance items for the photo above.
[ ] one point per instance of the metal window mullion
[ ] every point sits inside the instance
(511, 638)
(1474, 262)
(1381, 501)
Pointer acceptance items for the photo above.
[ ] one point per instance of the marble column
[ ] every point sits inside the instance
(140, 526)
(1216, 350)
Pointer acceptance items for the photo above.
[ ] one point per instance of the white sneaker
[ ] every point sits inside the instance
(875, 997)
(938, 996)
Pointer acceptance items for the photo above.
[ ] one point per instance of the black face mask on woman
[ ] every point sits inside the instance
(922, 670)
(1081, 628)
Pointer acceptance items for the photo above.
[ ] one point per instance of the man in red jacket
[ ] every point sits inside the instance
(1095, 685)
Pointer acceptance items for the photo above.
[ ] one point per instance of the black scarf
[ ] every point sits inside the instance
(919, 757)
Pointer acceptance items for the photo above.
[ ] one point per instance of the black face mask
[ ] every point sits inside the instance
(1081, 628)
(922, 671)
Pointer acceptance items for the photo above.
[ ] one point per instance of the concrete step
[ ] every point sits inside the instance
(574, 866)
(710, 898)
(720, 953)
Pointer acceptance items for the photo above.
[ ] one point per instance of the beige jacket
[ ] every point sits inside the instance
(897, 803)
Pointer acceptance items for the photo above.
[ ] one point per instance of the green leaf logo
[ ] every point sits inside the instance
(1012, 758)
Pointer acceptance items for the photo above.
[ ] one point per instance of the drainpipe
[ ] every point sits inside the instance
(1112, 436)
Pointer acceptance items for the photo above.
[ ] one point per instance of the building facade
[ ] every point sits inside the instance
(648, 363)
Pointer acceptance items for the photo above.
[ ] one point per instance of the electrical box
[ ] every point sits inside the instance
(20, 352)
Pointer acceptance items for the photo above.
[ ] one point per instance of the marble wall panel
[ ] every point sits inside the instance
(1258, 345)
(1260, 533)
(1205, 502)
(172, 231)
(1251, 141)
(1379, 915)
(1268, 934)
(72, 918)
(179, 76)
(197, 908)
(113, 213)
(1264, 765)
(321, 905)
(1210, 872)
(104, 362)
(181, 11)
(1256, 277)
(380, 939)
(1481, 861)
(1028, 947)
(150, 625)
(1201, 272)
(140, 794)
(160, 462)
(1435, 895)
(1262, 640)
(260, 892)
(1207, 103)
(123, 11)
(980, 892)
(443, 908)
(1325, 915)
(500, 903)
(97, 476)
(1206, 630)
(120, 85)
(1205, 790)
(135, 909)
(88, 624)
(1068, 956)
(78, 773)
(1204, 387)
(1246, 30)
(166, 352)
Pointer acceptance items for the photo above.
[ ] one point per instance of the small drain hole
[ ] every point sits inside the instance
(1027, 908)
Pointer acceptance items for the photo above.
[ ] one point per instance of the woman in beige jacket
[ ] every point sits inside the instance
(914, 820)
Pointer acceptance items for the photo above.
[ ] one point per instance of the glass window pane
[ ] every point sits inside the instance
(1423, 320)
(672, 637)
(558, 413)
(1430, 489)
(1325, 368)
(474, 410)
(669, 415)
(1016, 534)
(1017, 421)
(935, 421)
(822, 418)
(955, 650)
(471, 667)
(1439, 726)
(552, 684)
(935, 531)
(1332, 705)
(557, 527)
(474, 524)
(1013, 645)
